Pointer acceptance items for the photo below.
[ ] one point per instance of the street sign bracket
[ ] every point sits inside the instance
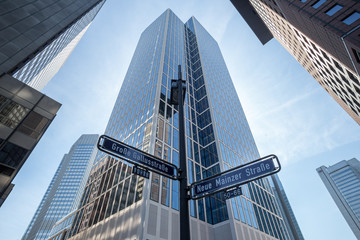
(231, 192)
(145, 172)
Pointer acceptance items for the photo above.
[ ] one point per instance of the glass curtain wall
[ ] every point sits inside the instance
(111, 186)
(234, 144)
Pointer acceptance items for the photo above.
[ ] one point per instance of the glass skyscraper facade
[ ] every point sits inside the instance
(342, 180)
(66, 188)
(119, 205)
(38, 36)
(286, 210)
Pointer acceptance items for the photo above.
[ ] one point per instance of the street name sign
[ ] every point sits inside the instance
(137, 157)
(236, 176)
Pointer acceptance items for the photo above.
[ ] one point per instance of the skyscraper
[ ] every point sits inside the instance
(286, 210)
(36, 38)
(119, 205)
(342, 180)
(25, 114)
(65, 190)
(322, 35)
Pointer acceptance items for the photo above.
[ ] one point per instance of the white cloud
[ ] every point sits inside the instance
(300, 128)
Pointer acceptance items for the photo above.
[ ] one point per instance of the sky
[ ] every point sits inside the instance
(289, 113)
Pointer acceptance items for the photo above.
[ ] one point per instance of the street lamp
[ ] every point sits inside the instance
(177, 97)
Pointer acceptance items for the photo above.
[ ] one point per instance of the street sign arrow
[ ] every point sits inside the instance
(137, 157)
(236, 176)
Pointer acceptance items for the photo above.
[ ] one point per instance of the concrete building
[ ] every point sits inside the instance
(65, 190)
(36, 38)
(322, 35)
(342, 180)
(120, 205)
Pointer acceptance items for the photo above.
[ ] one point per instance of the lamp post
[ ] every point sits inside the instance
(177, 97)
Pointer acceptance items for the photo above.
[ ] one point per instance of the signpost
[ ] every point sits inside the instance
(137, 157)
(177, 97)
(234, 177)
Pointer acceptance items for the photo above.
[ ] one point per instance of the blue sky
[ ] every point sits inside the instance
(289, 113)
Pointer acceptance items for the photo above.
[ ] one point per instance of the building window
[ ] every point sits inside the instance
(11, 113)
(12, 155)
(334, 9)
(303, 1)
(34, 125)
(318, 3)
(357, 55)
(351, 18)
(6, 170)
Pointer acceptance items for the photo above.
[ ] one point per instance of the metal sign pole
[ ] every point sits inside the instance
(184, 197)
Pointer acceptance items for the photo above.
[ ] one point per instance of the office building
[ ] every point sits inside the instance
(285, 208)
(119, 205)
(61, 228)
(25, 114)
(342, 180)
(36, 38)
(322, 35)
(65, 190)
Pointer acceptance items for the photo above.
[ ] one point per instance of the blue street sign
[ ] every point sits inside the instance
(234, 177)
(138, 157)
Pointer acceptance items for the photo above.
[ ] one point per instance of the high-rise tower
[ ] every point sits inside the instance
(25, 114)
(342, 180)
(65, 189)
(36, 38)
(322, 35)
(286, 210)
(119, 205)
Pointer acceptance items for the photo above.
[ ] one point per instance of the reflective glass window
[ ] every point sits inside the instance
(351, 18)
(334, 9)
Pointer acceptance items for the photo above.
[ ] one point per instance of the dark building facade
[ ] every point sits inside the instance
(120, 205)
(323, 35)
(25, 114)
(36, 38)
